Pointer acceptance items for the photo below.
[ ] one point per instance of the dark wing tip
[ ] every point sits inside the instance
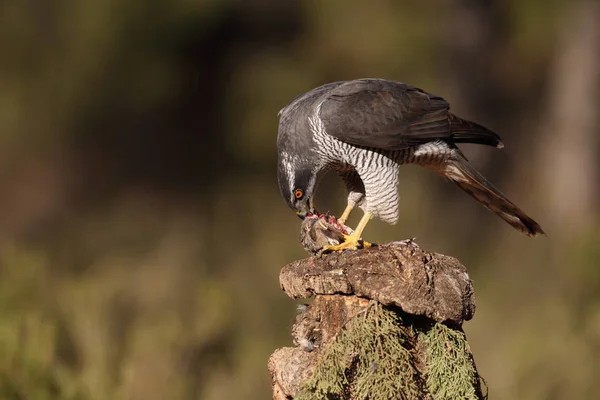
(533, 228)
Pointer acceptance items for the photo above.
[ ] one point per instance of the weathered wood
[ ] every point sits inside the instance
(289, 368)
(400, 279)
(400, 274)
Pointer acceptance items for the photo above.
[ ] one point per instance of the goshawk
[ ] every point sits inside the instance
(364, 130)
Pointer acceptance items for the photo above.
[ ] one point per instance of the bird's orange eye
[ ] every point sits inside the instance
(298, 193)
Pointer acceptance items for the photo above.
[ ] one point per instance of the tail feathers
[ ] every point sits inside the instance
(472, 182)
(464, 131)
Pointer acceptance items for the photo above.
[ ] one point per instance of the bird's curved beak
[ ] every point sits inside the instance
(301, 213)
(305, 207)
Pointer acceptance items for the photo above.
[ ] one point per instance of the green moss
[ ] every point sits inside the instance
(371, 354)
(450, 370)
(374, 358)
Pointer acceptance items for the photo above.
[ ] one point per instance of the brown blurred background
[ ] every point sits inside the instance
(142, 230)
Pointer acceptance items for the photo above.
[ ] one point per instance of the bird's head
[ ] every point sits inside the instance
(297, 183)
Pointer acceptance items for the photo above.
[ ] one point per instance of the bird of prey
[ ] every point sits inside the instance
(364, 130)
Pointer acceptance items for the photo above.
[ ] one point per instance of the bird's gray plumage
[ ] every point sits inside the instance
(364, 129)
(393, 115)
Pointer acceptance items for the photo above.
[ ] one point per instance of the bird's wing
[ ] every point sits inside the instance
(389, 115)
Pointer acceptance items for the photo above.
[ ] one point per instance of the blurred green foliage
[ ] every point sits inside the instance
(142, 229)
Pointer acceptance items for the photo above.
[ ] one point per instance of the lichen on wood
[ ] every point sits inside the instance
(369, 358)
(384, 323)
(451, 372)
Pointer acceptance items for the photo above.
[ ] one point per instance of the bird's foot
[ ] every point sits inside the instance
(351, 242)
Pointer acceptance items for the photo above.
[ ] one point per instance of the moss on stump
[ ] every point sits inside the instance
(381, 344)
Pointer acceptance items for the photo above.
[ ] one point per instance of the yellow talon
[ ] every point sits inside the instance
(352, 242)
(349, 243)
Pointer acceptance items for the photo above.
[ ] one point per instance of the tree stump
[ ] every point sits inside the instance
(385, 323)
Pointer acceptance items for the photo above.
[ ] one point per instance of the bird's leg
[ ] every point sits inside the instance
(356, 192)
(346, 213)
(351, 242)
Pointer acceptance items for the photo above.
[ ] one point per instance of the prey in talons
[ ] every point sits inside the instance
(324, 233)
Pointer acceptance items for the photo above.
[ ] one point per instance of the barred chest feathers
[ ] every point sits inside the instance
(377, 168)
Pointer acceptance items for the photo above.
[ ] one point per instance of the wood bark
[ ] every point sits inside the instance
(425, 292)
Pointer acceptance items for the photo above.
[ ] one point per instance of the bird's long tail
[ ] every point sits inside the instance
(472, 182)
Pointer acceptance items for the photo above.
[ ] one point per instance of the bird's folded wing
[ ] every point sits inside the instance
(384, 114)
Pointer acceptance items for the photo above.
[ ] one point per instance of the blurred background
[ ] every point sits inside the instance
(142, 230)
